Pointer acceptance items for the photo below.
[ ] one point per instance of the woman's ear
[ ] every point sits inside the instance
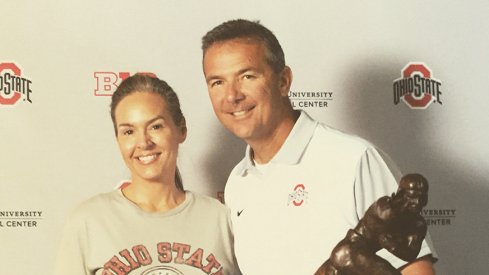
(183, 129)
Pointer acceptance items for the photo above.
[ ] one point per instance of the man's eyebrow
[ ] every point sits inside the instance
(248, 69)
(211, 77)
(242, 71)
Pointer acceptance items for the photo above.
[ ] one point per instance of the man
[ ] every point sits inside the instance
(301, 185)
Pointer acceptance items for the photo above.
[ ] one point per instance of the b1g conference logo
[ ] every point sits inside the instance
(13, 85)
(107, 82)
(417, 87)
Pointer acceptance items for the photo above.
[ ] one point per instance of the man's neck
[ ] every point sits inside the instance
(265, 149)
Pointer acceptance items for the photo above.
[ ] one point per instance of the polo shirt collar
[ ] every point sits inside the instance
(293, 147)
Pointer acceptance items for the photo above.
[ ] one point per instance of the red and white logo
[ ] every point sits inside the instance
(417, 87)
(13, 86)
(107, 82)
(299, 196)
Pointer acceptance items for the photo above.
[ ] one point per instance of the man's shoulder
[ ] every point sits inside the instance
(323, 130)
(329, 138)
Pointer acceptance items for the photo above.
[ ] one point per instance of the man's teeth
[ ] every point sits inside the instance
(240, 113)
(147, 159)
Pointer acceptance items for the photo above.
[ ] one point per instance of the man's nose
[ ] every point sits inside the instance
(234, 93)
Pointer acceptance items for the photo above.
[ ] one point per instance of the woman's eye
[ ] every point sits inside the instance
(156, 126)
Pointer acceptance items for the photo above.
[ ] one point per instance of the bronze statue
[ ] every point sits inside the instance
(394, 223)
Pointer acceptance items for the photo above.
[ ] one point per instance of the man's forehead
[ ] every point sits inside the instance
(228, 56)
(234, 42)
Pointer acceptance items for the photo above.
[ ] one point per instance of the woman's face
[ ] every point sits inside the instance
(147, 136)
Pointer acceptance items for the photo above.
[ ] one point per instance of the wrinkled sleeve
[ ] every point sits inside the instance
(71, 257)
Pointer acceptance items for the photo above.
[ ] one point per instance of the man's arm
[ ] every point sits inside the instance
(422, 266)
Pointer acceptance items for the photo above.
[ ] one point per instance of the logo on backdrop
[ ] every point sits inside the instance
(14, 87)
(417, 87)
(439, 217)
(107, 82)
(20, 218)
(301, 100)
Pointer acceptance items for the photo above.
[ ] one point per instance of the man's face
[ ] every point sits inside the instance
(246, 93)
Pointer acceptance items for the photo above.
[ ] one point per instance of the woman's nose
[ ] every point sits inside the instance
(144, 140)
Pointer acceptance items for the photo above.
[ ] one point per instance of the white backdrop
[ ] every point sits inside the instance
(59, 149)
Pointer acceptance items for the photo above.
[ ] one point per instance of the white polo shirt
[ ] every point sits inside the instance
(290, 213)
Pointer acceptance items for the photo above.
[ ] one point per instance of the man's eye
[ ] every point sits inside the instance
(216, 83)
(127, 132)
(248, 76)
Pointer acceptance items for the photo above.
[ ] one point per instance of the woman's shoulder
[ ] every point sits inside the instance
(94, 205)
(211, 209)
(208, 202)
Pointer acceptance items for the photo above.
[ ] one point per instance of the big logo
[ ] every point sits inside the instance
(13, 86)
(417, 87)
(107, 82)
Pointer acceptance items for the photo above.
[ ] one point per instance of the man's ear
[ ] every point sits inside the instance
(285, 81)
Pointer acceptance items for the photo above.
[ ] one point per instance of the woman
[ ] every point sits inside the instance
(149, 225)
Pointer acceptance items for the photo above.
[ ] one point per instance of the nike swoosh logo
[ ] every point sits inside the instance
(239, 212)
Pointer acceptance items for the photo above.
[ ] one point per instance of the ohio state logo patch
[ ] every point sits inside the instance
(417, 87)
(298, 196)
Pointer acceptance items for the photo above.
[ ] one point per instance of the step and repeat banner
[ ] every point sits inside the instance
(410, 76)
